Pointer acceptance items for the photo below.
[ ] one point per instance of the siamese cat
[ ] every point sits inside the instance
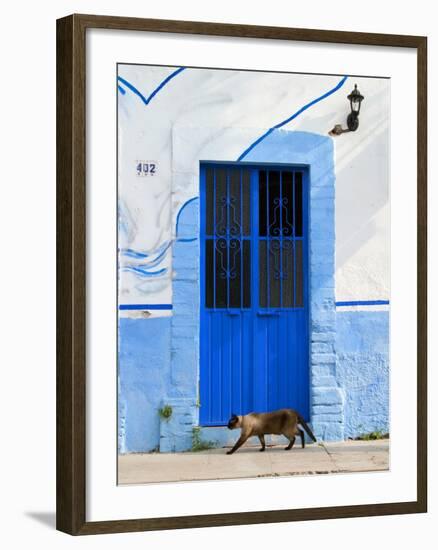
(283, 422)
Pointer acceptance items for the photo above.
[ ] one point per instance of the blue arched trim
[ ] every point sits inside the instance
(182, 239)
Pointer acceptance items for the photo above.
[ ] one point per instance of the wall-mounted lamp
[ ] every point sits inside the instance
(355, 98)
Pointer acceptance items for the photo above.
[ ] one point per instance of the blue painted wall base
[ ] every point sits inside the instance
(362, 370)
(144, 377)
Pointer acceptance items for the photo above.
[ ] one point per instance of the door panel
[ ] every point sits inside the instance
(254, 333)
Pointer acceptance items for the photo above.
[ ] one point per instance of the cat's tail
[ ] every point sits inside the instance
(306, 427)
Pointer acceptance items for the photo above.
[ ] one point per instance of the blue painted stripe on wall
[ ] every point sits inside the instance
(145, 306)
(138, 270)
(131, 253)
(146, 100)
(363, 303)
(297, 113)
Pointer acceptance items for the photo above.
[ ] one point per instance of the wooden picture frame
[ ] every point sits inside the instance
(71, 273)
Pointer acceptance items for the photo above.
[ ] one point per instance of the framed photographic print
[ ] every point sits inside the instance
(241, 274)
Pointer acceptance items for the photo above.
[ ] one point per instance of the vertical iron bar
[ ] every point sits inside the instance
(293, 238)
(268, 298)
(240, 366)
(281, 238)
(214, 238)
(227, 234)
(241, 241)
(254, 365)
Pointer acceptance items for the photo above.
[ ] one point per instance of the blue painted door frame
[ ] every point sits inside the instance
(254, 333)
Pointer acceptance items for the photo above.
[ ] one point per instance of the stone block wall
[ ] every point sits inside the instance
(176, 434)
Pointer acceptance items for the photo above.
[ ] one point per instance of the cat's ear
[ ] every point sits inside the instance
(233, 415)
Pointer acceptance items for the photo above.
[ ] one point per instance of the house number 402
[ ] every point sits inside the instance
(147, 168)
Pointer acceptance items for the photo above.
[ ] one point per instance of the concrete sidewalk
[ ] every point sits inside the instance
(248, 462)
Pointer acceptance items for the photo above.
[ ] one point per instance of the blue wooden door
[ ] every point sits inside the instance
(254, 291)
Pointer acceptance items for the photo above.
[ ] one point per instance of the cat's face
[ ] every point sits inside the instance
(233, 422)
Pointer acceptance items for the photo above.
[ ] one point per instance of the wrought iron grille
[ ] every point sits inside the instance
(280, 198)
(227, 242)
(253, 238)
